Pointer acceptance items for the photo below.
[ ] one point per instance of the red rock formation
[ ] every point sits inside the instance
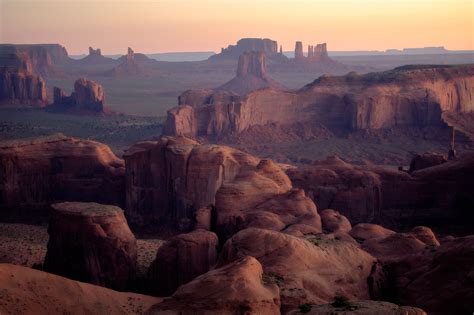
(91, 242)
(18, 84)
(262, 197)
(267, 46)
(299, 51)
(35, 173)
(333, 221)
(427, 159)
(403, 97)
(95, 58)
(251, 75)
(236, 288)
(306, 272)
(128, 66)
(365, 231)
(28, 291)
(438, 279)
(88, 97)
(168, 180)
(180, 260)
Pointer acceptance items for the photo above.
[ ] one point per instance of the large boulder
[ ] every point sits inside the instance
(237, 288)
(263, 197)
(307, 271)
(91, 242)
(36, 173)
(333, 221)
(28, 291)
(180, 260)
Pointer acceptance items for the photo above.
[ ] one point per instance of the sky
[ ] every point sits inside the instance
(151, 26)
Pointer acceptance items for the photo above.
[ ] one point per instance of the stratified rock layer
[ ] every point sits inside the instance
(403, 97)
(91, 242)
(35, 173)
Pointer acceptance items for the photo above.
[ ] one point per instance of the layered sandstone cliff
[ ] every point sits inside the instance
(267, 46)
(403, 97)
(18, 83)
(251, 75)
(35, 173)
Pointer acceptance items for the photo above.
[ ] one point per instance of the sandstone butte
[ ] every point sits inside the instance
(418, 96)
(88, 97)
(129, 65)
(251, 75)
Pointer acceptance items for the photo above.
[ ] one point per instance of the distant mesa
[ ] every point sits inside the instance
(88, 97)
(251, 75)
(267, 46)
(129, 66)
(95, 57)
(18, 83)
(139, 58)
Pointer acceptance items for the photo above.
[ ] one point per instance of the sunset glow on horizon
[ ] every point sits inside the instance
(207, 25)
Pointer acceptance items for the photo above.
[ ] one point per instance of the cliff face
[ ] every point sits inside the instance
(397, 98)
(267, 46)
(251, 75)
(18, 84)
(35, 173)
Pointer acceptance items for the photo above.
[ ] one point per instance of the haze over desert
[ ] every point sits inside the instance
(236, 157)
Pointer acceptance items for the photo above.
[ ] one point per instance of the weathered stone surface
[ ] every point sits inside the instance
(421, 161)
(263, 197)
(236, 288)
(91, 242)
(180, 260)
(233, 52)
(18, 84)
(403, 97)
(28, 291)
(129, 65)
(333, 221)
(35, 173)
(365, 231)
(360, 307)
(437, 279)
(170, 179)
(307, 271)
(251, 75)
(88, 97)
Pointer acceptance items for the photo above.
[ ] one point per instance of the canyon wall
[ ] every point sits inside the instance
(403, 97)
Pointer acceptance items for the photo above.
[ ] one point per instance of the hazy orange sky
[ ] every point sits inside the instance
(207, 25)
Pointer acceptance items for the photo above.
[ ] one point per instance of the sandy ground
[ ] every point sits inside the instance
(25, 245)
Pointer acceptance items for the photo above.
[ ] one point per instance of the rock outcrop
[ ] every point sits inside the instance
(35, 173)
(92, 243)
(333, 222)
(236, 288)
(404, 97)
(428, 159)
(18, 84)
(306, 271)
(299, 51)
(251, 75)
(267, 46)
(128, 66)
(28, 291)
(437, 196)
(170, 179)
(95, 58)
(263, 197)
(180, 260)
(88, 97)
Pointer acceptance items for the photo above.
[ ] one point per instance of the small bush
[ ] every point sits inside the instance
(343, 302)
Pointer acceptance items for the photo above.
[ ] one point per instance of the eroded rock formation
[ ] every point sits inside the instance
(129, 66)
(403, 97)
(369, 194)
(251, 75)
(267, 46)
(299, 266)
(18, 84)
(35, 173)
(91, 242)
(232, 289)
(180, 260)
(88, 97)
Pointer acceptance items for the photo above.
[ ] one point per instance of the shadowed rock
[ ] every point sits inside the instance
(88, 97)
(91, 242)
